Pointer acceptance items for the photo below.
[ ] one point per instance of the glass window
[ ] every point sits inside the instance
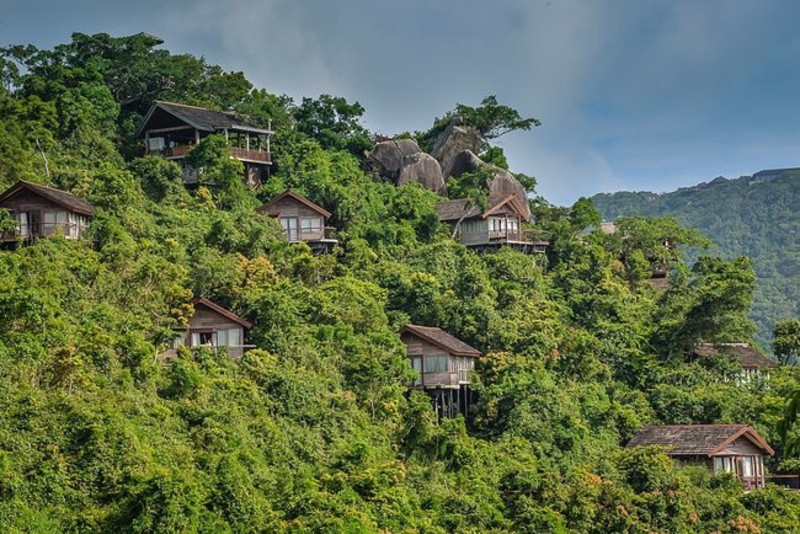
(748, 468)
(311, 224)
(222, 338)
(436, 364)
(234, 337)
(206, 338)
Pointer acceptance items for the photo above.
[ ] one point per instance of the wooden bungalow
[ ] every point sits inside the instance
(500, 223)
(443, 364)
(211, 325)
(171, 130)
(302, 220)
(42, 211)
(754, 364)
(734, 449)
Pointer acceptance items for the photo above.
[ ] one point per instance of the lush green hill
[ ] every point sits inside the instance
(315, 429)
(748, 216)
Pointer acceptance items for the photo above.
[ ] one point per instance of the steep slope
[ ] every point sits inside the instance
(755, 215)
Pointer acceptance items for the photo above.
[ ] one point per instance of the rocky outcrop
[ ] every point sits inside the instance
(504, 184)
(465, 161)
(401, 161)
(454, 140)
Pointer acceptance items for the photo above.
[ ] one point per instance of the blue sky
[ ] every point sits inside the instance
(633, 95)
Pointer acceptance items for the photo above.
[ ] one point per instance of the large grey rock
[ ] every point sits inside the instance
(451, 142)
(423, 169)
(401, 161)
(386, 158)
(504, 184)
(465, 161)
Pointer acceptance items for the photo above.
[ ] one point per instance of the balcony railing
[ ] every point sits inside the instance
(327, 233)
(181, 151)
(528, 236)
(68, 230)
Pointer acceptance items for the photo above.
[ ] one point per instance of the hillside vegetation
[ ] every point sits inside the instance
(747, 216)
(315, 430)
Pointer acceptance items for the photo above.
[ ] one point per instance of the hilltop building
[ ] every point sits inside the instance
(42, 211)
(499, 223)
(302, 220)
(443, 364)
(171, 130)
(211, 325)
(754, 364)
(734, 449)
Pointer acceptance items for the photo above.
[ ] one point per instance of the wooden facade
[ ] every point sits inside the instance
(302, 221)
(213, 326)
(499, 224)
(443, 364)
(42, 211)
(172, 130)
(736, 449)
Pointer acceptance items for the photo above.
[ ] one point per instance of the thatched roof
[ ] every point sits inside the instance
(696, 440)
(56, 196)
(749, 357)
(441, 339)
(467, 208)
(207, 120)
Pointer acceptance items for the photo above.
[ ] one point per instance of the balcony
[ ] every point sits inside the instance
(529, 237)
(442, 379)
(34, 231)
(181, 151)
(312, 235)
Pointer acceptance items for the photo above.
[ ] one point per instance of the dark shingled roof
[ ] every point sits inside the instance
(749, 357)
(454, 210)
(269, 209)
(441, 339)
(207, 120)
(200, 301)
(56, 196)
(696, 440)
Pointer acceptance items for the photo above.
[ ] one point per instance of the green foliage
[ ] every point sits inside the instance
(786, 341)
(314, 430)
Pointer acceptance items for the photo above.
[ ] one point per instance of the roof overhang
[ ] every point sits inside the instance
(222, 311)
(749, 433)
(299, 198)
(44, 192)
(509, 200)
(410, 329)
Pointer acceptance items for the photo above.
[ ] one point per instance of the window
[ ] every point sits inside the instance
(22, 222)
(206, 338)
(436, 363)
(497, 224)
(748, 466)
(416, 364)
(289, 225)
(723, 464)
(222, 338)
(311, 224)
(234, 337)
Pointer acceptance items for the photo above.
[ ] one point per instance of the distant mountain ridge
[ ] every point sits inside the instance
(756, 216)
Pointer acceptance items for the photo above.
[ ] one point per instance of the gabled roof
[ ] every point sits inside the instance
(697, 440)
(207, 120)
(200, 301)
(441, 339)
(749, 357)
(56, 196)
(269, 207)
(467, 208)
(660, 283)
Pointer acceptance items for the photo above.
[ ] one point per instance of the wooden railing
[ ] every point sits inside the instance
(518, 235)
(312, 234)
(440, 379)
(791, 482)
(181, 151)
(43, 230)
